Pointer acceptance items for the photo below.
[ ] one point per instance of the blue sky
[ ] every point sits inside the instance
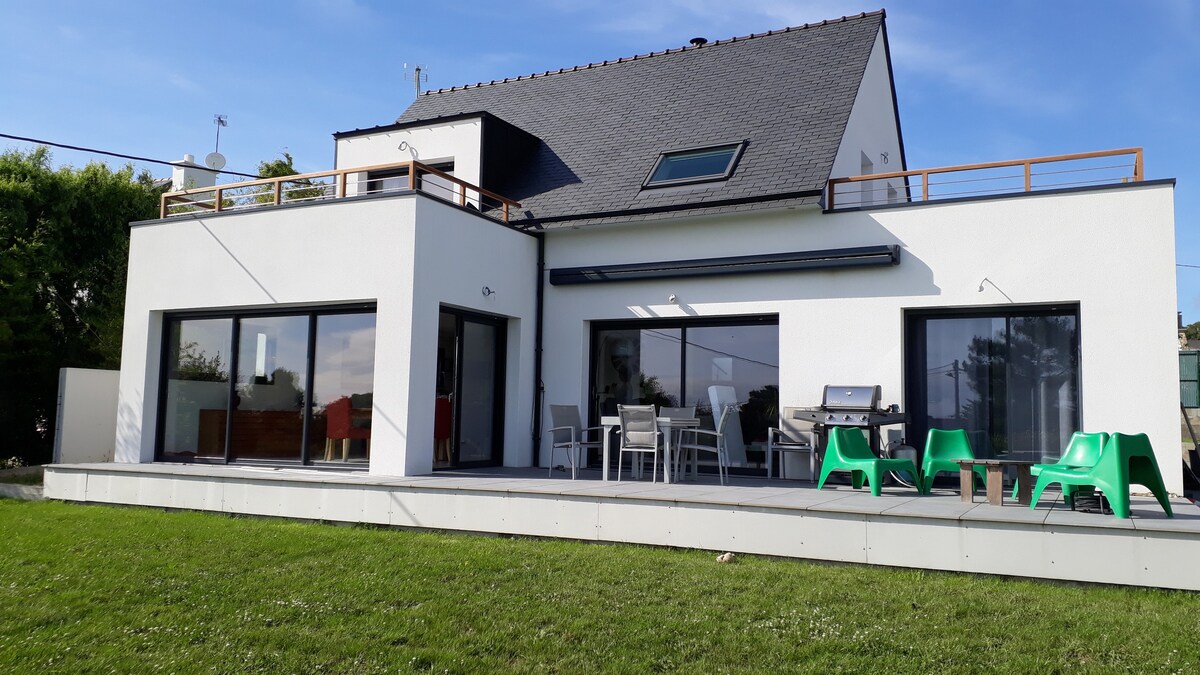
(976, 81)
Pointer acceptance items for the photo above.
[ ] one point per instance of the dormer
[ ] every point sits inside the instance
(477, 147)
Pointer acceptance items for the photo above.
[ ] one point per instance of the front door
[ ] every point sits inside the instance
(469, 411)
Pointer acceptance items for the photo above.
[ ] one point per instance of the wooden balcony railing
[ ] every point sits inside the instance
(336, 184)
(987, 178)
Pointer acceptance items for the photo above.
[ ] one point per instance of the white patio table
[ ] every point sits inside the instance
(667, 425)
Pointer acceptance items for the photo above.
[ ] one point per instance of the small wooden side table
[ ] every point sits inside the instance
(995, 479)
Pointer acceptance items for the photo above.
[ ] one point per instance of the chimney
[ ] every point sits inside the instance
(187, 174)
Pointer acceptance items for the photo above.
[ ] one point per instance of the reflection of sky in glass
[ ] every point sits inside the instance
(948, 341)
(286, 342)
(743, 357)
(345, 358)
(211, 337)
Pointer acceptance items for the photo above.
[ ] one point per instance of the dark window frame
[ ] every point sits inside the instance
(311, 313)
(592, 412)
(738, 147)
(916, 387)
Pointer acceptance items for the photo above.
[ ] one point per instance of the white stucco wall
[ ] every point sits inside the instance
(87, 415)
(871, 131)
(324, 254)
(846, 326)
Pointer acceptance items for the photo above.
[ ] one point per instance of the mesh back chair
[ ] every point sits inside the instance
(943, 447)
(684, 413)
(690, 440)
(1125, 460)
(792, 435)
(639, 435)
(569, 435)
(1083, 451)
(848, 451)
(720, 396)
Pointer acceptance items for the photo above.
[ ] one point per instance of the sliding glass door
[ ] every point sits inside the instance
(469, 408)
(291, 386)
(679, 363)
(1009, 376)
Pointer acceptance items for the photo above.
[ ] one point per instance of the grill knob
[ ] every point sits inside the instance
(863, 419)
(846, 418)
(830, 418)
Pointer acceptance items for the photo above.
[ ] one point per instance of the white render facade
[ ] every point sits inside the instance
(1101, 256)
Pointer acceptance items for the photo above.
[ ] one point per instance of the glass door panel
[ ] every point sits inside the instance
(469, 405)
(197, 389)
(637, 366)
(745, 358)
(343, 382)
(477, 401)
(268, 417)
(1010, 380)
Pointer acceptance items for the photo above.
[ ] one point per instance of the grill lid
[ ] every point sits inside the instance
(852, 397)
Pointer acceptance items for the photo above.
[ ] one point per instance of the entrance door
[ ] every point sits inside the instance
(469, 413)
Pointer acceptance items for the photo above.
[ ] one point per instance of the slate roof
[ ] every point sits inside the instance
(788, 93)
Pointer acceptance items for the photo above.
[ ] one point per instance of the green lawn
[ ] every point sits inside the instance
(140, 590)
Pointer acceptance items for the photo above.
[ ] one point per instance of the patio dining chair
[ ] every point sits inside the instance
(569, 435)
(639, 435)
(1083, 451)
(848, 451)
(684, 412)
(943, 449)
(1125, 460)
(690, 440)
(792, 435)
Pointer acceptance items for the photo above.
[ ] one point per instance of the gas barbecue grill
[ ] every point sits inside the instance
(851, 406)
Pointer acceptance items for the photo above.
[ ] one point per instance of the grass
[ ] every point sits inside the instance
(100, 588)
(22, 479)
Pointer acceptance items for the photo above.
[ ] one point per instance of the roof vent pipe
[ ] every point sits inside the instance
(698, 41)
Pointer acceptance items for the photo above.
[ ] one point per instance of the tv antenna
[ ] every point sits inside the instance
(215, 160)
(418, 76)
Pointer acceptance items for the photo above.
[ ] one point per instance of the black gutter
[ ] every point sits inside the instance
(817, 192)
(538, 387)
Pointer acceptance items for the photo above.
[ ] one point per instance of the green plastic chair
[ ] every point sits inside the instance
(848, 451)
(1125, 460)
(942, 448)
(1082, 452)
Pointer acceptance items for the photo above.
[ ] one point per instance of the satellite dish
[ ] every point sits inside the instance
(215, 161)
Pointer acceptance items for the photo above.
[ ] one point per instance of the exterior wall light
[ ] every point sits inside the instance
(487, 291)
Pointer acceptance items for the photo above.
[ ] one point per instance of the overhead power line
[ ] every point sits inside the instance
(1196, 267)
(114, 154)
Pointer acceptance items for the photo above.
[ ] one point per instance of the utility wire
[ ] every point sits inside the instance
(1195, 267)
(113, 154)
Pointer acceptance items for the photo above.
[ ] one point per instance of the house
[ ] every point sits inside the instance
(641, 230)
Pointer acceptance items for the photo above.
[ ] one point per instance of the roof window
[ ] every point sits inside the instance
(696, 165)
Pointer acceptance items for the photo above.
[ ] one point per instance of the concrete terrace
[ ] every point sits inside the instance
(751, 515)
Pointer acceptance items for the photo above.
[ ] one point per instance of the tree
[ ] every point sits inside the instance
(1192, 330)
(64, 239)
(303, 189)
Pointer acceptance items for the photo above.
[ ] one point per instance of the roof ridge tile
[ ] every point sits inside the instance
(677, 50)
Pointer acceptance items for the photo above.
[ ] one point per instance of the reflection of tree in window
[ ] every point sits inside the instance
(195, 365)
(1009, 376)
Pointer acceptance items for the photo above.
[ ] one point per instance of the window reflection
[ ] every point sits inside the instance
(197, 389)
(268, 419)
(1010, 381)
(343, 382)
(679, 366)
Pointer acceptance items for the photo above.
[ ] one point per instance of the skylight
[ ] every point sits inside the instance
(695, 165)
